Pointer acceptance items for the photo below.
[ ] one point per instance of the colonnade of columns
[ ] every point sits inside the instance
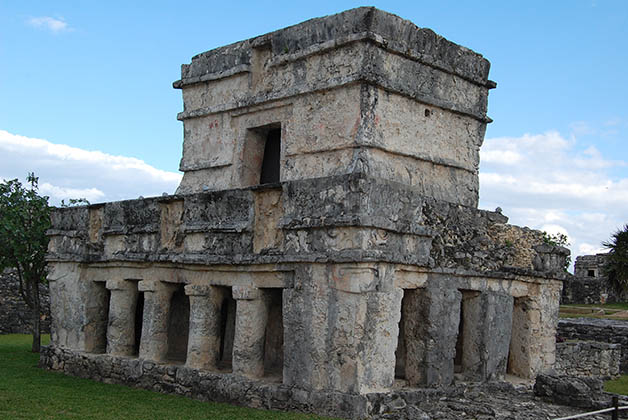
(205, 323)
(443, 330)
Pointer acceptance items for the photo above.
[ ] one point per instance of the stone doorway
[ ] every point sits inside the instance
(227, 329)
(138, 321)
(273, 341)
(178, 326)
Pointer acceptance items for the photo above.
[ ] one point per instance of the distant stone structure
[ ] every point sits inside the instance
(15, 315)
(589, 284)
(324, 244)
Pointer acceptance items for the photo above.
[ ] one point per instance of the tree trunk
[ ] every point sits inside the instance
(36, 318)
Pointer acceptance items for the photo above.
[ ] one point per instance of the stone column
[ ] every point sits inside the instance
(534, 320)
(250, 328)
(431, 319)
(154, 342)
(363, 320)
(204, 336)
(485, 334)
(121, 328)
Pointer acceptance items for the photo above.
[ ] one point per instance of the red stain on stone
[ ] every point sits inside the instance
(356, 126)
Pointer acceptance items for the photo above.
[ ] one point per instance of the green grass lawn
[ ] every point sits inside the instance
(618, 386)
(28, 392)
(621, 305)
(608, 310)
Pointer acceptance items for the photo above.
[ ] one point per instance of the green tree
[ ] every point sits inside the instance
(24, 219)
(616, 267)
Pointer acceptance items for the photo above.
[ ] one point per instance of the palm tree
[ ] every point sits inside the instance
(616, 267)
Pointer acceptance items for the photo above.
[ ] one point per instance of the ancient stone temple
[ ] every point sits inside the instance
(324, 246)
(590, 284)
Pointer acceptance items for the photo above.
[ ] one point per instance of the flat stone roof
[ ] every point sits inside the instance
(364, 24)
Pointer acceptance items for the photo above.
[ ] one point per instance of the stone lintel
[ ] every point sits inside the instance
(245, 292)
(354, 278)
(198, 289)
(406, 279)
(119, 284)
(155, 286)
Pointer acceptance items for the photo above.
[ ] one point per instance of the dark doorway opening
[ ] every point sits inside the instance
(178, 326)
(227, 330)
(272, 154)
(104, 296)
(459, 340)
(273, 342)
(139, 319)
(400, 352)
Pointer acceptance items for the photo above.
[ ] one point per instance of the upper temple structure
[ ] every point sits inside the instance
(324, 245)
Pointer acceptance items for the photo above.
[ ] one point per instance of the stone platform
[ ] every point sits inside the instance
(480, 401)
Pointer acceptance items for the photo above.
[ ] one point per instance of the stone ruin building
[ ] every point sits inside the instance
(15, 315)
(589, 284)
(324, 245)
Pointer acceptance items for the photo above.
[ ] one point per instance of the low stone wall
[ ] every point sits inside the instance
(586, 393)
(15, 315)
(492, 400)
(587, 359)
(601, 330)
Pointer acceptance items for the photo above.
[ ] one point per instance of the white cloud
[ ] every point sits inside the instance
(68, 172)
(54, 25)
(90, 194)
(589, 249)
(507, 157)
(554, 186)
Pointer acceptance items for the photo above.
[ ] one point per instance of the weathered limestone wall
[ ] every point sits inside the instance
(15, 315)
(367, 115)
(598, 330)
(588, 358)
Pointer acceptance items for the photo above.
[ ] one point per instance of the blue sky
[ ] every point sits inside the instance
(96, 76)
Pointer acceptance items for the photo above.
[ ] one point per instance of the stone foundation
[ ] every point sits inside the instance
(493, 400)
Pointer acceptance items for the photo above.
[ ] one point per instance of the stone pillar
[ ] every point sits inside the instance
(154, 342)
(79, 308)
(204, 337)
(363, 322)
(121, 328)
(487, 320)
(534, 321)
(250, 328)
(431, 318)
